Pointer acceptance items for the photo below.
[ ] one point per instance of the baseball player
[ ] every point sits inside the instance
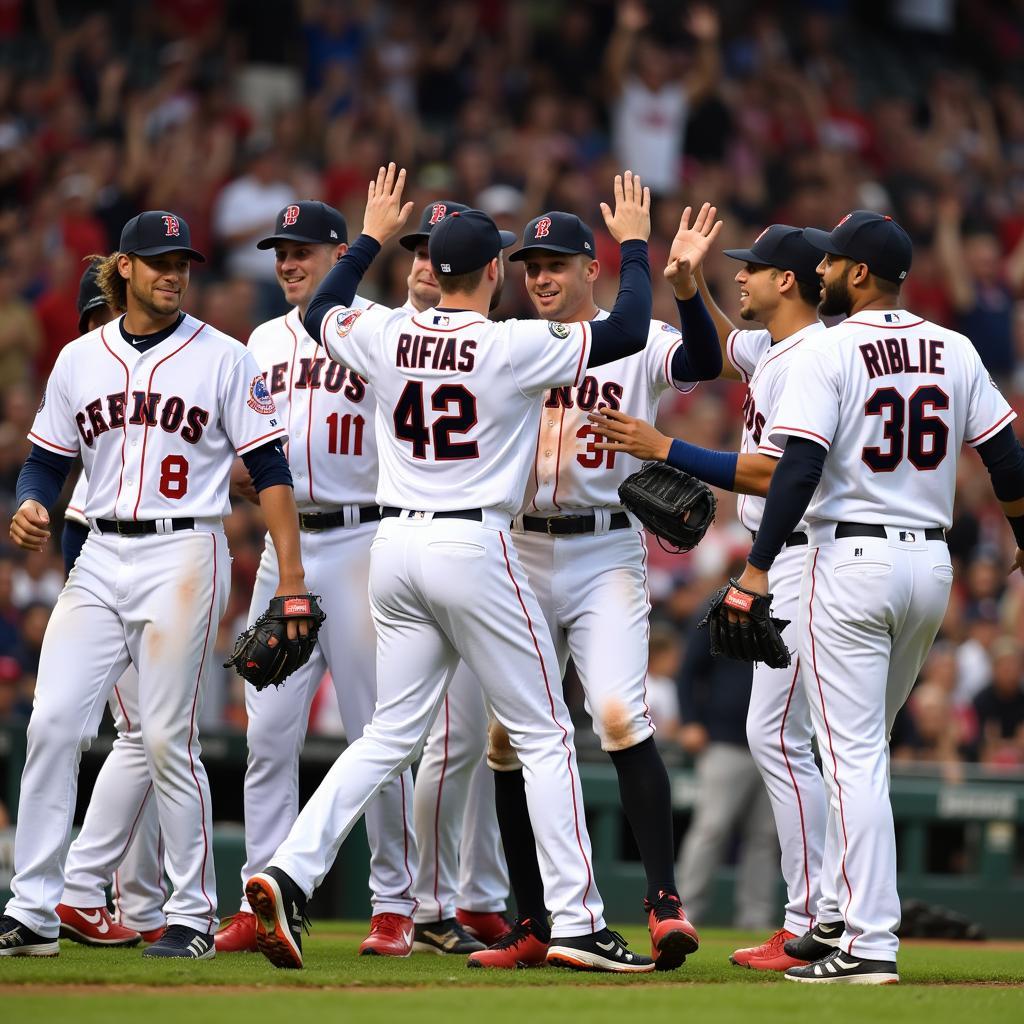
(329, 415)
(461, 881)
(158, 403)
(585, 558)
(457, 397)
(779, 288)
(873, 415)
(120, 825)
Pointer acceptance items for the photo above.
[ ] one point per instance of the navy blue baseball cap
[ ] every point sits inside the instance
(432, 213)
(784, 247)
(870, 238)
(155, 232)
(307, 221)
(466, 240)
(556, 232)
(89, 295)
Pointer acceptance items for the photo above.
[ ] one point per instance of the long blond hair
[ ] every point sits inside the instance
(113, 286)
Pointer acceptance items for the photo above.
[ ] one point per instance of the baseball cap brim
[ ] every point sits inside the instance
(746, 255)
(823, 240)
(521, 254)
(411, 241)
(159, 250)
(507, 238)
(269, 243)
(87, 309)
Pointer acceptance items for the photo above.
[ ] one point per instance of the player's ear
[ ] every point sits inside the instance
(787, 281)
(340, 251)
(593, 271)
(861, 273)
(124, 265)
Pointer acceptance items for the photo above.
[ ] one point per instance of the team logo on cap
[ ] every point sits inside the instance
(437, 211)
(259, 397)
(346, 320)
(172, 226)
(760, 236)
(561, 331)
(543, 228)
(843, 221)
(291, 215)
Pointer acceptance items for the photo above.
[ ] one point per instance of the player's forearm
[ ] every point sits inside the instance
(793, 484)
(742, 473)
(626, 328)
(338, 288)
(723, 325)
(42, 477)
(282, 518)
(1004, 459)
(700, 356)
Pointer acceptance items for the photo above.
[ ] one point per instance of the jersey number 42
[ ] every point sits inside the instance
(410, 418)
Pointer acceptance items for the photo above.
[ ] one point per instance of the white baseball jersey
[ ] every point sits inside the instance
(327, 411)
(76, 503)
(453, 422)
(157, 430)
(892, 397)
(763, 367)
(568, 471)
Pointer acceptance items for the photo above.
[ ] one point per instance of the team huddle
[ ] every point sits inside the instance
(448, 487)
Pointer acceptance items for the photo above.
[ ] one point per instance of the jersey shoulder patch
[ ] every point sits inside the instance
(259, 397)
(669, 328)
(345, 320)
(559, 330)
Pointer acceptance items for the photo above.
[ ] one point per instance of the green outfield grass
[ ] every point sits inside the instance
(966, 983)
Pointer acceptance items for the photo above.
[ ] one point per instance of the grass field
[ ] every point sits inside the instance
(969, 983)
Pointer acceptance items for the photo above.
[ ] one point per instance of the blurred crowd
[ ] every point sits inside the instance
(225, 111)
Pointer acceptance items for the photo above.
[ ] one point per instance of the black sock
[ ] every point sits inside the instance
(520, 848)
(646, 796)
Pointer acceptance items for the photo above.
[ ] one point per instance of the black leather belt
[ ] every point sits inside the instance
(314, 521)
(877, 530)
(130, 528)
(562, 526)
(475, 514)
(793, 540)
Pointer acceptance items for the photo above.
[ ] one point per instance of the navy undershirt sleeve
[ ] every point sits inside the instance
(700, 355)
(267, 466)
(713, 467)
(789, 494)
(71, 541)
(1004, 459)
(42, 477)
(627, 327)
(338, 288)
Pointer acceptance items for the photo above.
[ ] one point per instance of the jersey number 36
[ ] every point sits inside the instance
(908, 428)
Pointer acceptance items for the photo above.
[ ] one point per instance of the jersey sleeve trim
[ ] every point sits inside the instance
(769, 450)
(447, 330)
(801, 432)
(584, 354)
(256, 442)
(51, 445)
(684, 387)
(730, 349)
(974, 441)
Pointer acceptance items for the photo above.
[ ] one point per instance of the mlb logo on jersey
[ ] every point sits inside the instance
(291, 216)
(172, 228)
(437, 211)
(346, 320)
(891, 318)
(259, 397)
(441, 321)
(543, 228)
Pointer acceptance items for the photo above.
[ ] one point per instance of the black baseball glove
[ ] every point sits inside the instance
(756, 637)
(263, 654)
(672, 504)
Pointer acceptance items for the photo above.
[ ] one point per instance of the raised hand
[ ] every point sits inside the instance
(385, 213)
(691, 245)
(632, 216)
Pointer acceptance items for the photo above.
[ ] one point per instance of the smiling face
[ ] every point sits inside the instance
(156, 284)
(424, 290)
(561, 285)
(759, 294)
(301, 266)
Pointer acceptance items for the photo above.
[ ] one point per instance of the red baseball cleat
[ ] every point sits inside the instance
(238, 935)
(94, 926)
(154, 934)
(487, 927)
(673, 938)
(769, 956)
(390, 935)
(518, 947)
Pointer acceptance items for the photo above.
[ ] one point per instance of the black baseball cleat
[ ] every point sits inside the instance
(446, 937)
(841, 968)
(821, 941)
(280, 909)
(182, 943)
(17, 939)
(599, 951)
